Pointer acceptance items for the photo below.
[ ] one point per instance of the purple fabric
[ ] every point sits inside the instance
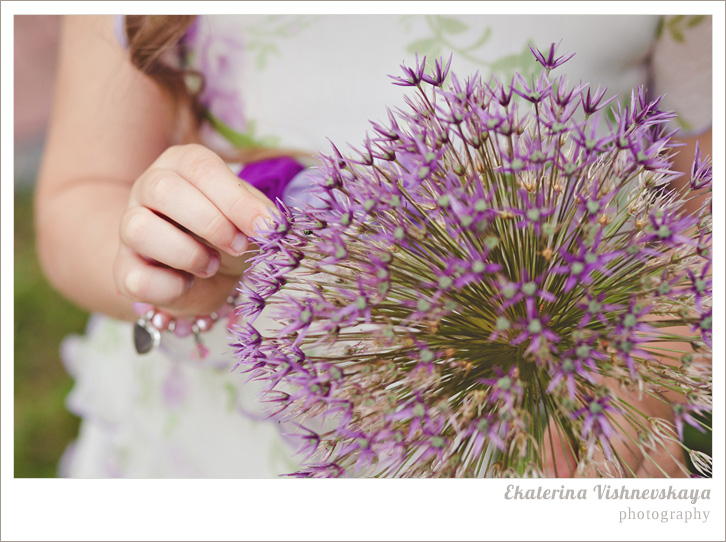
(271, 176)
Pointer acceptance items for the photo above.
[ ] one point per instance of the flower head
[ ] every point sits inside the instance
(473, 274)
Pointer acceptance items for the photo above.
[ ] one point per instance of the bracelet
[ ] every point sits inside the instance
(153, 321)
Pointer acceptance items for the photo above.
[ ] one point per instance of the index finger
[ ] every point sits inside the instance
(235, 198)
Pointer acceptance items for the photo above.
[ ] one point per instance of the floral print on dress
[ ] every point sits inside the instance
(447, 34)
(218, 58)
(222, 54)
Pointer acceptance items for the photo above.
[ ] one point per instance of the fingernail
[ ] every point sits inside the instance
(213, 266)
(142, 308)
(239, 243)
(190, 282)
(261, 224)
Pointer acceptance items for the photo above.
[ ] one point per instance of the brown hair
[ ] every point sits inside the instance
(156, 48)
(154, 43)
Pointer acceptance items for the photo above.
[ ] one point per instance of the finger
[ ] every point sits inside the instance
(155, 239)
(142, 281)
(208, 172)
(175, 291)
(172, 196)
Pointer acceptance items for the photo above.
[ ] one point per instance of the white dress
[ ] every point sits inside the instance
(297, 81)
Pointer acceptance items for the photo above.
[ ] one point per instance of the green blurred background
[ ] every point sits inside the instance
(43, 426)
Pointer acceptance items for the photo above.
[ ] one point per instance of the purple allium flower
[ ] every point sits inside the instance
(669, 229)
(477, 271)
(534, 329)
(596, 425)
(512, 293)
(591, 103)
(595, 307)
(484, 431)
(575, 366)
(704, 325)
(320, 470)
(505, 387)
(700, 286)
(579, 267)
(533, 214)
(538, 91)
(550, 62)
(701, 171)
(412, 76)
(683, 412)
(439, 74)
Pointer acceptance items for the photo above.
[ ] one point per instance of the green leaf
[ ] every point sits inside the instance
(405, 21)
(522, 62)
(684, 124)
(451, 26)
(677, 35)
(424, 46)
(695, 20)
(266, 50)
(240, 140)
(674, 25)
(482, 39)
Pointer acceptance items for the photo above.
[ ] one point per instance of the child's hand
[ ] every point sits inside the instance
(186, 225)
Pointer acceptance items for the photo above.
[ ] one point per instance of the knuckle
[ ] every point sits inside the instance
(198, 162)
(195, 161)
(202, 168)
(189, 148)
(134, 226)
(159, 184)
(177, 153)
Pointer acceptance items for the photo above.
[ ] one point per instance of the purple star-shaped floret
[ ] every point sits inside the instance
(574, 362)
(483, 430)
(581, 265)
(534, 214)
(596, 425)
(412, 76)
(592, 101)
(537, 91)
(595, 307)
(684, 412)
(668, 228)
(505, 387)
(550, 62)
(534, 328)
(701, 170)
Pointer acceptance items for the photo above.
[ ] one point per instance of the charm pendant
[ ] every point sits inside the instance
(146, 336)
(153, 322)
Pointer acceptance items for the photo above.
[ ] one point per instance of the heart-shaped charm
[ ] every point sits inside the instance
(146, 337)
